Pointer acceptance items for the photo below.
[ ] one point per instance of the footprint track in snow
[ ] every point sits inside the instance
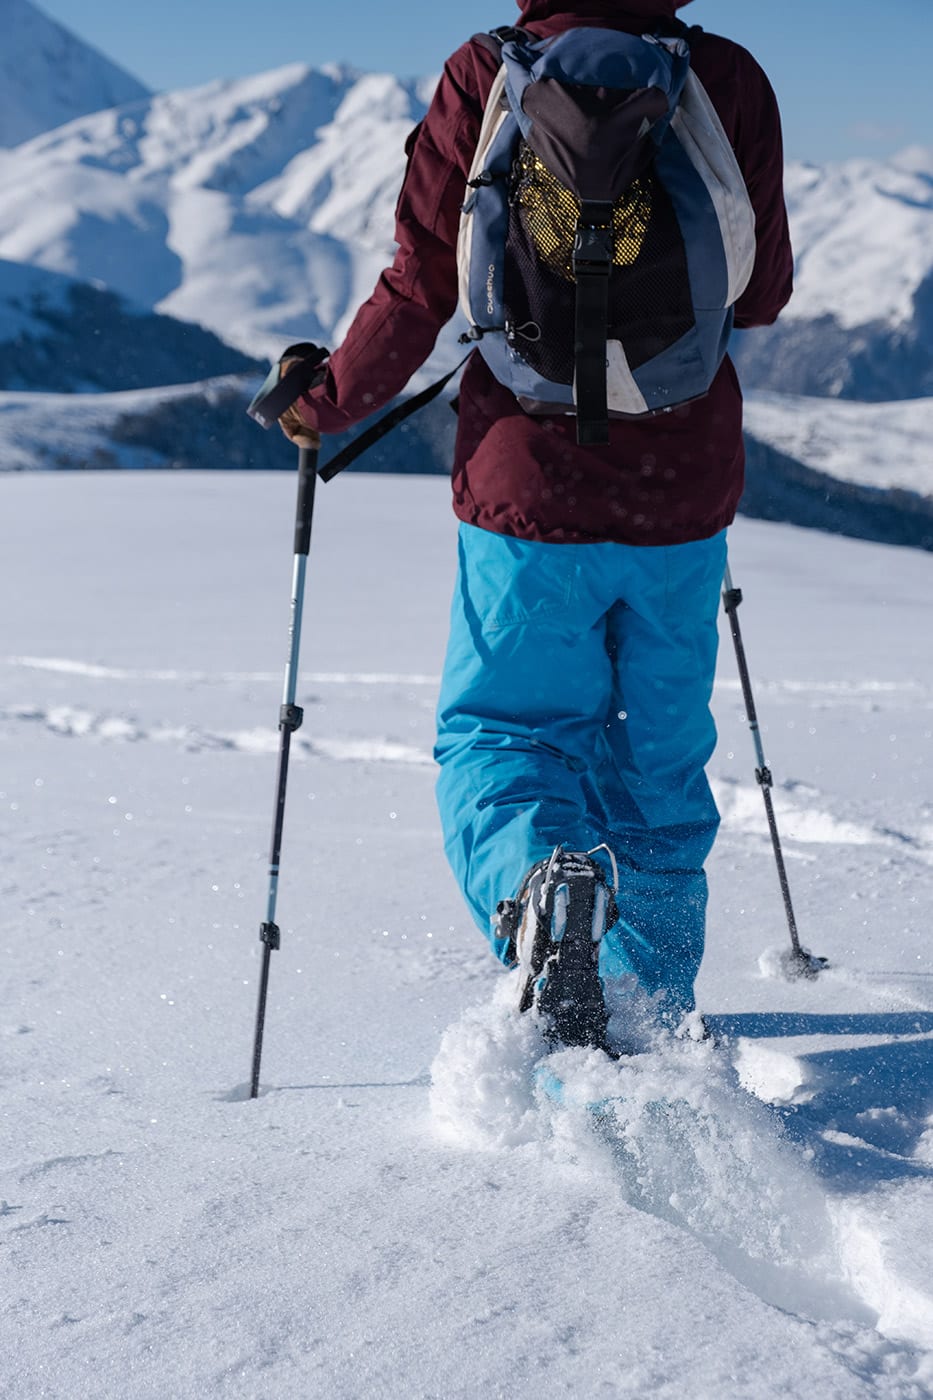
(804, 823)
(93, 671)
(74, 722)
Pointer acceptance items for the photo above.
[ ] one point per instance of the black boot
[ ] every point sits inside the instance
(566, 906)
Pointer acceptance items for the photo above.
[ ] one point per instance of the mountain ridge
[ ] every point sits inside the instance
(59, 335)
(262, 208)
(48, 75)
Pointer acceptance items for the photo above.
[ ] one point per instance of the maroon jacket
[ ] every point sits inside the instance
(661, 480)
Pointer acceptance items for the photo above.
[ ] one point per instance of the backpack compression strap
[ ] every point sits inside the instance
(592, 264)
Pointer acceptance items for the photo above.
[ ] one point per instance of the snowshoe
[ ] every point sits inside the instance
(565, 906)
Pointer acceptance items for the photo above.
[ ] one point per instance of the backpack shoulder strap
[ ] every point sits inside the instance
(676, 29)
(493, 39)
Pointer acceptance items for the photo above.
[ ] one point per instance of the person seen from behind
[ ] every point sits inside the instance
(573, 723)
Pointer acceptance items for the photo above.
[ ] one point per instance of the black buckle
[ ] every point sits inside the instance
(507, 34)
(593, 240)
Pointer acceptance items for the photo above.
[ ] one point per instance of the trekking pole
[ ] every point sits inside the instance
(268, 405)
(798, 962)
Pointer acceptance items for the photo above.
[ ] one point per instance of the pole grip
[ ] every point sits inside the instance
(307, 480)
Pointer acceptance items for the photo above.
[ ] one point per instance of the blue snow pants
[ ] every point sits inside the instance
(574, 711)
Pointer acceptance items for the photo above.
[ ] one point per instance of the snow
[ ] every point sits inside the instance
(20, 288)
(861, 233)
(886, 446)
(47, 431)
(48, 75)
(373, 1226)
(262, 207)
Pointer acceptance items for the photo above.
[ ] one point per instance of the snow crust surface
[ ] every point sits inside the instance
(404, 1211)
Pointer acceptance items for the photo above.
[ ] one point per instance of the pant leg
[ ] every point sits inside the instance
(659, 809)
(525, 693)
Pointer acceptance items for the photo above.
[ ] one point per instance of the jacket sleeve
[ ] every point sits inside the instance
(759, 147)
(394, 332)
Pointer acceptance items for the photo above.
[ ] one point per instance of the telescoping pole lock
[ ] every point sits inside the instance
(276, 396)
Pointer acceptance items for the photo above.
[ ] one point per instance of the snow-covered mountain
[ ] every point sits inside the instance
(260, 208)
(863, 235)
(188, 427)
(860, 324)
(859, 469)
(48, 75)
(58, 334)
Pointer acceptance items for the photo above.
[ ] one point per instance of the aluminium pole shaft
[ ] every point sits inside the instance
(290, 718)
(801, 961)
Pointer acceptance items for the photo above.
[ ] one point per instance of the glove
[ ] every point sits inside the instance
(291, 422)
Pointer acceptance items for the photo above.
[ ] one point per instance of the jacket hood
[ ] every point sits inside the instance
(597, 9)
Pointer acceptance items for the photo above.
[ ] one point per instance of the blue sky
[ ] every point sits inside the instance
(852, 75)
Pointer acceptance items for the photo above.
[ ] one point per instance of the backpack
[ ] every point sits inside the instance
(607, 230)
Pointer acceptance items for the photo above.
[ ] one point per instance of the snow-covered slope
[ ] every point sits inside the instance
(48, 75)
(353, 1235)
(857, 469)
(182, 426)
(187, 427)
(57, 335)
(860, 324)
(884, 446)
(863, 237)
(860, 469)
(260, 208)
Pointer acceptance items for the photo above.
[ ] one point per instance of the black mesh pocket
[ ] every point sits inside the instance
(650, 306)
(538, 287)
(649, 291)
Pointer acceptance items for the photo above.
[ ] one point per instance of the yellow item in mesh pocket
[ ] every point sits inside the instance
(550, 212)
